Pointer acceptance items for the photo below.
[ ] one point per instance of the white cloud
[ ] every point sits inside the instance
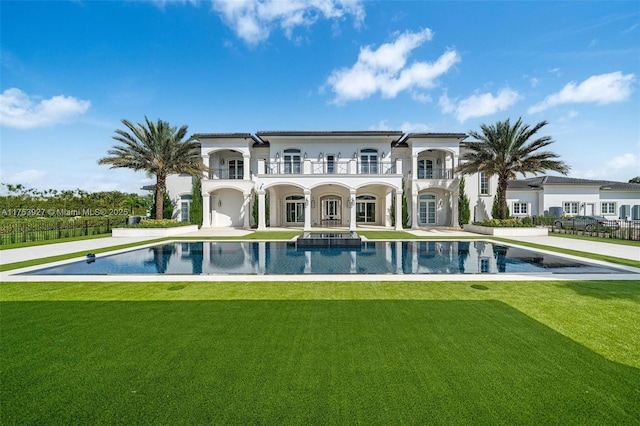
(478, 105)
(534, 82)
(253, 20)
(624, 161)
(599, 89)
(620, 169)
(406, 127)
(385, 70)
(25, 177)
(19, 110)
(420, 97)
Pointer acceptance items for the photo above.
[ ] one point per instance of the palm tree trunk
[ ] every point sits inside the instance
(502, 191)
(160, 188)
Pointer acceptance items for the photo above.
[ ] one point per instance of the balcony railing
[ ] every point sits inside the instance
(435, 174)
(345, 167)
(227, 173)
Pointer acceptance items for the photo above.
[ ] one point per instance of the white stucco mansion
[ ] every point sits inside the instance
(310, 179)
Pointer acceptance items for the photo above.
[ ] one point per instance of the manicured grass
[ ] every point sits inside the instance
(587, 255)
(539, 352)
(302, 362)
(52, 241)
(632, 243)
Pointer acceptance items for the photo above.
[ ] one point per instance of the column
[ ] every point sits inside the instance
(414, 166)
(262, 225)
(398, 210)
(414, 210)
(246, 207)
(352, 210)
(206, 210)
(246, 166)
(205, 161)
(454, 209)
(307, 209)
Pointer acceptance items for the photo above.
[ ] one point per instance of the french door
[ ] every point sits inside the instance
(331, 209)
(427, 209)
(365, 209)
(294, 209)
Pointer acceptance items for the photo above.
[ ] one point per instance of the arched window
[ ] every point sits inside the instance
(368, 161)
(292, 161)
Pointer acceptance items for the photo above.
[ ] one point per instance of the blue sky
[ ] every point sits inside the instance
(71, 71)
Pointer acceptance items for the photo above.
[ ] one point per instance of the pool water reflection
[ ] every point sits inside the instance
(277, 258)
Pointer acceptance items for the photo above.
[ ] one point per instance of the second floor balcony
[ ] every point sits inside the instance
(438, 173)
(331, 167)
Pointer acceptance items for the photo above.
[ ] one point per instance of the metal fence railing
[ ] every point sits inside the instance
(620, 230)
(22, 231)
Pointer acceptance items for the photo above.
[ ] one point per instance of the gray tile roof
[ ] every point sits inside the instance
(331, 133)
(437, 135)
(539, 181)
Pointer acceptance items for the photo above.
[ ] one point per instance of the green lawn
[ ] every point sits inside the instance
(560, 352)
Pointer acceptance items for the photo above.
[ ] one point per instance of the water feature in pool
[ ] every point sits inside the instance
(275, 258)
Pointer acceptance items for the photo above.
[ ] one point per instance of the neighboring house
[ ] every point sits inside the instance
(558, 196)
(310, 179)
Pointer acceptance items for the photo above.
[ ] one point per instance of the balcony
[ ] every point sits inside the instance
(424, 174)
(338, 167)
(227, 173)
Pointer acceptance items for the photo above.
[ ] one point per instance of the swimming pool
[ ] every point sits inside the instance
(286, 258)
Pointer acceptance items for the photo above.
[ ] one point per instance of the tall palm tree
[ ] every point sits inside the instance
(158, 149)
(505, 150)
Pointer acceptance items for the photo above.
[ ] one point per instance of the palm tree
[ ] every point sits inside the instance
(505, 151)
(159, 150)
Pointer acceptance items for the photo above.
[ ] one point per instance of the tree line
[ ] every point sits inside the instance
(23, 201)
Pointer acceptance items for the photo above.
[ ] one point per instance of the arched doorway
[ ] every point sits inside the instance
(331, 210)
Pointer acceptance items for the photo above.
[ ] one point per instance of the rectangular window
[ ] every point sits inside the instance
(484, 184)
(608, 208)
(520, 208)
(236, 169)
(185, 207)
(570, 207)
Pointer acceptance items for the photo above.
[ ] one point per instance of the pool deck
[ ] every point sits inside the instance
(87, 246)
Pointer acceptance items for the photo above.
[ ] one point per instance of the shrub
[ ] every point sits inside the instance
(163, 223)
(506, 223)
